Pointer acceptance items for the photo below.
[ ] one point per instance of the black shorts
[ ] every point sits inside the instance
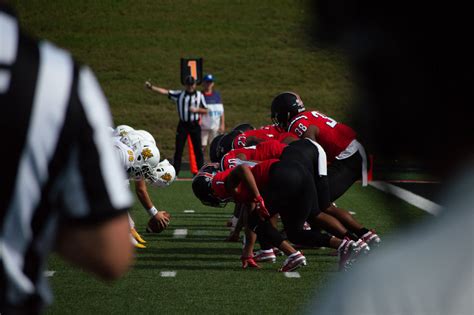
(291, 193)
(306, 154)
(342, 174)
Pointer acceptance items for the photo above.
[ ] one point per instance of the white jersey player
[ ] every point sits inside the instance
(140, 158)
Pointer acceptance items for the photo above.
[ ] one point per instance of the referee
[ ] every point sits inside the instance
(190, 103)
(62, 187)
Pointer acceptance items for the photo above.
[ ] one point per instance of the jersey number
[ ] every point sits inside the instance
(241, 141)
(329, 121)
(300, 130)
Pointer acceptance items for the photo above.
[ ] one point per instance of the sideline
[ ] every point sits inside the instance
(413, 199)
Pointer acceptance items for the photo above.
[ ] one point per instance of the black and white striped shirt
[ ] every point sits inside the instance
(57, 157)
(184, 101)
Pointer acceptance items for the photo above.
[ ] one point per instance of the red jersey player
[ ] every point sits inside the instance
(251, 137)
(265, 133)
(290, 190)
(345, 154)
(279, 134)
(263, 151)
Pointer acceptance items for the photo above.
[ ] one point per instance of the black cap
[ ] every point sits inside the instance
(189, 80)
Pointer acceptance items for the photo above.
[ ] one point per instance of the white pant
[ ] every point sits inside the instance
(207, 136)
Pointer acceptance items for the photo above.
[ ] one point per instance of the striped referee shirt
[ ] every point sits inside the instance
(184, 101)
(57, 156)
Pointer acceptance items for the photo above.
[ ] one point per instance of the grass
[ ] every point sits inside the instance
(209, 278)
(256, 49)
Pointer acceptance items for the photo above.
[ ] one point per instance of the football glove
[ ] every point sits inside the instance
(260, 207)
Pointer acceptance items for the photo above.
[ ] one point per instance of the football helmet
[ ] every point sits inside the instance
(244, 127)
(225, 144)
(132, 139)
(122, 130)
(166, 174)
(202, 186)
(284, 107)
(213, 148)
(147, 158)
(146, 135)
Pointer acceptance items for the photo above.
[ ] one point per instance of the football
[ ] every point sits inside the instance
(154, 227)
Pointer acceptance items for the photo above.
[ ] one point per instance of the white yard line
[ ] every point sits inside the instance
(188, 211)
(168, 274)
(413, 199)
(180, 233)
(292, 274)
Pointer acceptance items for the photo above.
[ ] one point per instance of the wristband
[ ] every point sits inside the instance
(152, 211)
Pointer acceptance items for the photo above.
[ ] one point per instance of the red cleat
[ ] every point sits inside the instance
(294, 261)
(372, 239)
(264, 255)
(348, 253)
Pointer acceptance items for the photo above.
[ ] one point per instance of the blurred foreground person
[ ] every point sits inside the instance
(61, 189)
(416, 88)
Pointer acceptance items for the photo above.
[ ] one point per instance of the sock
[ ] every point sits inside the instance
(351, 236)
(130, 221)
(361, 232)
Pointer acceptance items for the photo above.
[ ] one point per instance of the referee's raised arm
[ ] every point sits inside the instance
(157, 89)
(190, 104)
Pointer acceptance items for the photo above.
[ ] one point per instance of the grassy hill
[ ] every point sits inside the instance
(256, 49)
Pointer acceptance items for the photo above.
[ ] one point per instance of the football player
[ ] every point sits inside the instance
(240, 184)
(267, 150)
(346, 156)
(250, 156)
(140, 158)
(241, 137)
(289, 189)
(300, 151)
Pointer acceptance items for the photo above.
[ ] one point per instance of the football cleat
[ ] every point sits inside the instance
(362, 247)
(372, 239)
(264, 255)
(293, 262)
(137, 236)
(249, 262)
(138, 245)
(278, 252)
(135, 243)
(348, 253)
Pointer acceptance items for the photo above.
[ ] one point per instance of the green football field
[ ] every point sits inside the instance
(200, 272)
(255, 49)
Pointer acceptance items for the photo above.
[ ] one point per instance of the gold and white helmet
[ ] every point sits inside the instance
(166, 174)
(146, 135)
(147, 157)
(122, 130)
(132, 139)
